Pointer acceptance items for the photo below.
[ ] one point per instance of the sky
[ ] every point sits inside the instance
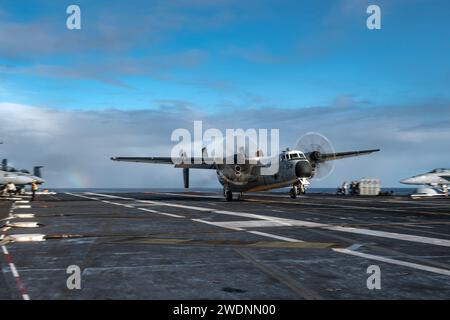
(137, 70)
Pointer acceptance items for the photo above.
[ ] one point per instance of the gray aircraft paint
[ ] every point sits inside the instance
(435, 177)
(248, 178)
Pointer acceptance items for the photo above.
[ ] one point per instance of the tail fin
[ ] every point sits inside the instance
(37, 171)
(4, 164)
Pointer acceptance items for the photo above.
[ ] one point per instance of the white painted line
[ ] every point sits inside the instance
(105, 195)
(26, 237)
(394, 261)
(280, 221)
(300, 223)
(190, 195)
(248, 224)
(31, 224)
(154, 202)
(14, 270)
(393, 235)
(182, 206)
(16, 275)
(109, 202)
(23, 215)
(303, 202)
(355, 246)
(264, 234)
(214, 224)
(22, 201)
(330, 227)
(125, 205)
(162, 213)
(79, 195)
(22, 207)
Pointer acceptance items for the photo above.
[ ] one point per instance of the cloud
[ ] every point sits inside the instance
(112, 71)
(75, 146)
(106, 29)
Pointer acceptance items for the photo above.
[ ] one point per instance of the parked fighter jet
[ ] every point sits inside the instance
(436, 177)
(20, 178)
(438, 181)
(310, 159)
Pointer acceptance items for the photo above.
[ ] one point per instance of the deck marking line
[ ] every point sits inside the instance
(214, 224)
(394, 261)
(162, 213)
(269, 235)
(369, 232)
(335, 228)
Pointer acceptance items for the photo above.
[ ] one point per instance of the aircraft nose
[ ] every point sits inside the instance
(40, 180)
(408, 181)
(24, 180)
(303, 169)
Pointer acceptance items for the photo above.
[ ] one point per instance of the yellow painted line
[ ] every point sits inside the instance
(251, 244)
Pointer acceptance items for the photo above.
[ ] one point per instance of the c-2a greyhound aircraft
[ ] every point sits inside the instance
(309, 159)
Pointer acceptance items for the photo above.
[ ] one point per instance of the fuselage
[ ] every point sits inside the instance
(18, 178)
(433, 178)
(247, 178)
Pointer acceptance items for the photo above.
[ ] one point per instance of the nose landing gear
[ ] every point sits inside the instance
(294, 192)
(298, 188)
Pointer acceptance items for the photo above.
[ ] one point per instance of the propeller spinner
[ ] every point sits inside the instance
(313, 145)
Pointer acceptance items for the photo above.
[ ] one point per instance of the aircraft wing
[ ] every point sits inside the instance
(161, 160)
(194, 163)
(341, 155)
(183, 163)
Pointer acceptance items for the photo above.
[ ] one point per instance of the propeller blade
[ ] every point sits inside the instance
(313, 145)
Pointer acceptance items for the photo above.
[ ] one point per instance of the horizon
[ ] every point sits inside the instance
(137, 71)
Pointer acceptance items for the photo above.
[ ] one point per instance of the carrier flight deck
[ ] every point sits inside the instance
(195, 245)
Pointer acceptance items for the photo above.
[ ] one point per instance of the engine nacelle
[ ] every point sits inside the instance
(315, 156)
(303, 169)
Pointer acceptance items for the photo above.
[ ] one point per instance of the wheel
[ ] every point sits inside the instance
(293, 192)
(228, 195)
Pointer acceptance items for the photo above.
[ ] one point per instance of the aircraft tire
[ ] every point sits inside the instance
(293, 193)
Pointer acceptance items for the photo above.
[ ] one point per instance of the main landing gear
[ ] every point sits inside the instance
(227, 194)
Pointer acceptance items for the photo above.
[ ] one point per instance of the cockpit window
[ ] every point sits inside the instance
(440, 170)
(295, 156)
